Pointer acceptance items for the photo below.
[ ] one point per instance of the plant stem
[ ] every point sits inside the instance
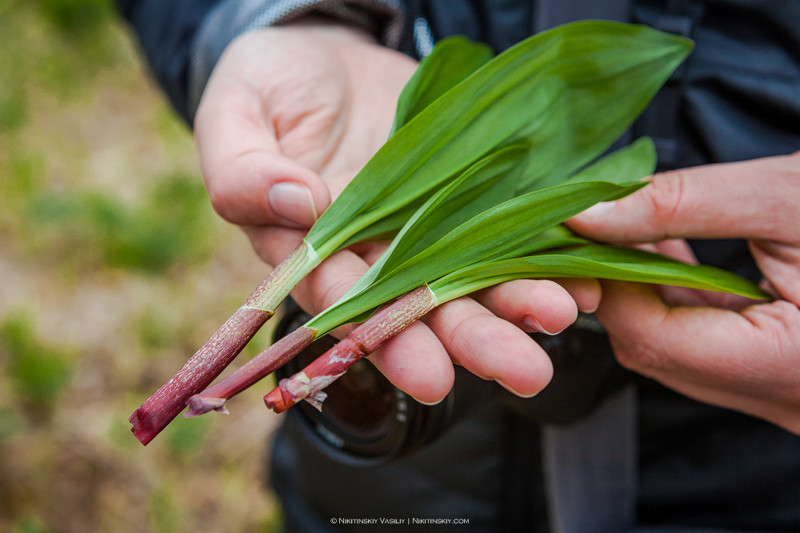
(260, 366)
(362, 341)
(223, 346)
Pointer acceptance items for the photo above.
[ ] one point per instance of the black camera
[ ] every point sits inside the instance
(366, 421)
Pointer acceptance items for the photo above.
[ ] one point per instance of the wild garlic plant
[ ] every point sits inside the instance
(559, 99)
(521, 237)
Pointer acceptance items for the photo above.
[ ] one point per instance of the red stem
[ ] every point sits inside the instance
(226, 343)
(260, 366)
(362, 341)
(198, 372)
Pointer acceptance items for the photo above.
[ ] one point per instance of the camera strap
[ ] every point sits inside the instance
(591, 465)
(590, 468)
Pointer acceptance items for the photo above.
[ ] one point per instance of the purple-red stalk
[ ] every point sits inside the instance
(214, 397)
(362, 341)
(226, 343)
(209, 361)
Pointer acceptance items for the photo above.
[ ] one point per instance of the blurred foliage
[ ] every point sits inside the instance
(113, 269)
(184, 436)
(13, 109)
(164, 514)
(39, 372)
(10, 423)
(169, 225)
(73, 45)
(31, 524)
(76, 17)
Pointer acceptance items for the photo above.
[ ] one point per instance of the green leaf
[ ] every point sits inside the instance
(623, 166)
(569, 91)
(487, 183)
(630, 163)
(594, 261)
(609, 83)
(492, 234)
(451, 60)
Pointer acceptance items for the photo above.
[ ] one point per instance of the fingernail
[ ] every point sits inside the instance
(531, 325)
(293, 202)
(515, 393)
(598, 210)
(429, 404)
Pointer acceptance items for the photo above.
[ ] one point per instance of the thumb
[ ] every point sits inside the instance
(249, 180)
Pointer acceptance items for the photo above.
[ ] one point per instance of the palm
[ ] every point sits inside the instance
(331, 114)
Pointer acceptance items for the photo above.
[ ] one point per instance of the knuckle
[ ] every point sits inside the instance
(329, 294)
(780, 323)
(639, 356)
(666, 195)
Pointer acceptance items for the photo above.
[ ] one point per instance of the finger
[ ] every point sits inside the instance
(248, 180)
(745, 361)
(682, 296)
(532, 305)
(651, 336)
(416, 362)
(672, 295)
(677, 249)
(702, 343)
(329, 281)
(585, 292)
(781, 264)
(733, 200)
(273, 243)
(490, 347)
(324, 285)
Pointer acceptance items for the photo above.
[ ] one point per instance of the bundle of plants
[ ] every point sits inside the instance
(519, 238)
(594, 261)
(546, 108)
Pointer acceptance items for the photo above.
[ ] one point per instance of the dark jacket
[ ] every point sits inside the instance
(699, 467)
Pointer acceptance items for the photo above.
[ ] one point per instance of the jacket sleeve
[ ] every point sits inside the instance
(183, 39)
(165, 31)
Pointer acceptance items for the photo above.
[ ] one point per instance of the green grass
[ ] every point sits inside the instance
(170, 225)
(39, 371)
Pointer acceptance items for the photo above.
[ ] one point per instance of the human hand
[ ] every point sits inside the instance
(747, 360)
(289, 115)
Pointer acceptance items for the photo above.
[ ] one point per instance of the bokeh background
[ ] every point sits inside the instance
(113, 270)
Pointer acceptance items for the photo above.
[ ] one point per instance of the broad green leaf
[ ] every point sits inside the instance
(625, 165)
(596, 108)
(441, 213)
(594, 261)
(451, 60)
(591, 77)
(492, 234)
(487, 183)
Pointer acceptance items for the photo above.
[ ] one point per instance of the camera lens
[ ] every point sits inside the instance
(365, 420)
(360, 403)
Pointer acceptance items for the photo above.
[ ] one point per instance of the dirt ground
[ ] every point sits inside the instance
(113, 270)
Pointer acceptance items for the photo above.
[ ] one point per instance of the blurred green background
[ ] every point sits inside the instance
(113, 270)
